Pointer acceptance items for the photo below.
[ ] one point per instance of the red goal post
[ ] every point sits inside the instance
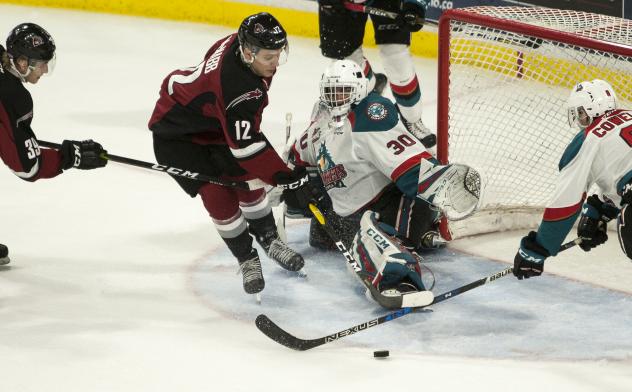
(504, 76)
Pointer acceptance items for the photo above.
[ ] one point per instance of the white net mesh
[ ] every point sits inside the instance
(507, 88)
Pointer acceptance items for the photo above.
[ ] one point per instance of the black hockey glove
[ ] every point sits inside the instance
(592, 227)
(297, 191)
(529, 260)
(412, 15)
(332, 7)
(83, 155)
(626, 194)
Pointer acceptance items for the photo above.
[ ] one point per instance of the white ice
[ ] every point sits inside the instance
(119, 281)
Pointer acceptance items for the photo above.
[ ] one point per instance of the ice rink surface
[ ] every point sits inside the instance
(119, 281)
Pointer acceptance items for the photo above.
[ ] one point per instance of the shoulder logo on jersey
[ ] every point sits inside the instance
(255, 94)
(331, 174)
(376, 111)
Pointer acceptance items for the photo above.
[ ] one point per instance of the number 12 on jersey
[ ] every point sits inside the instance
(241, 130)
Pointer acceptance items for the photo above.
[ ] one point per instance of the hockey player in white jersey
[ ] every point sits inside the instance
(341, 25)
(601, 155)
(374, 170)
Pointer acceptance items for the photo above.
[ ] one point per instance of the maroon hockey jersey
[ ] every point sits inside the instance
(19, 149)
(220, 101)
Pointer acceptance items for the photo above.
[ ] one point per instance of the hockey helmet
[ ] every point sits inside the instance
(589, 100)
(32, 42)
(342, 85)
(262, 31)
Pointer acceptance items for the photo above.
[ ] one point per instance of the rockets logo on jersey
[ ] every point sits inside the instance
(255, 94)
(331, 173)
(376, 111)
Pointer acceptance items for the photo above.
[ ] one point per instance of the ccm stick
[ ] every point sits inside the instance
(247, 185)
(279, 335)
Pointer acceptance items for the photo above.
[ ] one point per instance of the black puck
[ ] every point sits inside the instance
(380, 354)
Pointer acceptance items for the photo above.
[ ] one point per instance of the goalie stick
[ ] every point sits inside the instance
(247, 185)
(279, 335)
(421, 298)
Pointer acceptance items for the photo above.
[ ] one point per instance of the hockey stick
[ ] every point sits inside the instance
(247, 185)
(279, 335)
(422, 298)
(379, 12)
(281, 221)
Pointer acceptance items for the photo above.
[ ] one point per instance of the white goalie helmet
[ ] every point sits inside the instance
(588, 100)
(342, 85)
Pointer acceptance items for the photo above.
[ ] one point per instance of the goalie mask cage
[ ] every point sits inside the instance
(505, 74)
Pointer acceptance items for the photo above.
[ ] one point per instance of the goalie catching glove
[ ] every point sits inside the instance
(592, 227)
(393, 270)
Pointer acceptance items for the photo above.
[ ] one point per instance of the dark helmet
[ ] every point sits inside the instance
(31, 41)
(263, 31)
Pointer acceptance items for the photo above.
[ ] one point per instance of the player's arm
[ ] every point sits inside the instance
(570, 193)
(20, 150)
(247, 142)
(561, 213)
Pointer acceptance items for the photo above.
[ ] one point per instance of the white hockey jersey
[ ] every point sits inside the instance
(358, 160)
(602, 156)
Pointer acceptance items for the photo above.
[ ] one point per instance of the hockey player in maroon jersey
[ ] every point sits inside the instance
(341, 36)
(208, 119)
(30, 54)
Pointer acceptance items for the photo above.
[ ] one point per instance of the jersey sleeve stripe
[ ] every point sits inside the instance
(558, 214)
(408, 165)
(254, 148)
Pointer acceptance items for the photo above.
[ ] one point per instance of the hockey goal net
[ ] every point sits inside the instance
(504, 76)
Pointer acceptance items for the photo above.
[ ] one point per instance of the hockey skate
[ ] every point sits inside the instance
(4, 255)
(251, 273)
(278, 251)
(380, 83)
(432, 240)
(421, 132)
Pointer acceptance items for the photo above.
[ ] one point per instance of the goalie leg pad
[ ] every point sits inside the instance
(392, 268)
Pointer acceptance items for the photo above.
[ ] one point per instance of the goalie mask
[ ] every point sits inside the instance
(589, 100)
(342, 85)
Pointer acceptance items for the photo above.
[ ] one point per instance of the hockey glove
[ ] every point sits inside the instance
(529, 260)
(411, 18)
(298, 193)
(626, 194)
(332, 7)
(83, 155)
(592, 226)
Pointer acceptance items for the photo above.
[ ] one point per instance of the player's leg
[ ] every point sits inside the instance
(221, 202)
(394, 44)
(415, 221)
(341, 36)
(4, 255)
(258, 213)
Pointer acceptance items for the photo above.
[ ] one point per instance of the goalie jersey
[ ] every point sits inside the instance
(599, 155)
(360, 159)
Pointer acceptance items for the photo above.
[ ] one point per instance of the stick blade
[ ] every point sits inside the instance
(274, 332)
(418, 299)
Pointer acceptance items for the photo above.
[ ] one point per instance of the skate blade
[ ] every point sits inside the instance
(258, 298)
